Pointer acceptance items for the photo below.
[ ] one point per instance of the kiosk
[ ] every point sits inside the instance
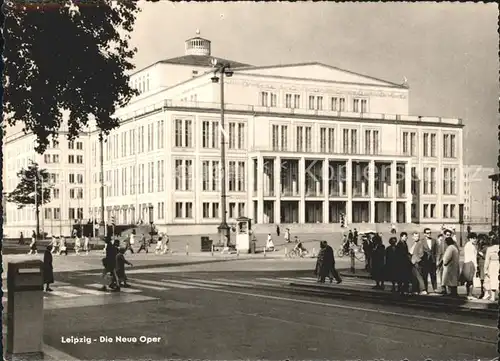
(244, 225)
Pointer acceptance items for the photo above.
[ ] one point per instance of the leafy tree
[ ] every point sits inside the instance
(63, 57)
(33, 189)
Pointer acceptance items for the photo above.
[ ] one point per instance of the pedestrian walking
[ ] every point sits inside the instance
(491, 265)
(120, 268)
(62, 246)
(33, 247)
(109, 267)
(451, 269)
(417, 253)
(131, 241)
(86, 245)
(53, 244)
(482, 246)
(77, 244)
(392, 271)
(144, 245)
(287, 235)
(166, 246)
(270, 243)
(333, 270)
(428, 261)
(470, 265)
(159, 245)
(378, 262)
(48, 269)
(277, 230)
(355, 235)
(21, 239)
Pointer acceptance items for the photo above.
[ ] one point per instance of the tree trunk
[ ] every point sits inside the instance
(37, 216)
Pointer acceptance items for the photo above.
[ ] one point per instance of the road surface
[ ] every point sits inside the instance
(222, 314)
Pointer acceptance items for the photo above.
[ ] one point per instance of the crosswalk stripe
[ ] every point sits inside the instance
(228, 283)
(64, 294)
(252, 283)
(196, 282)
(149, 287)
(164, 283)
(77, 290)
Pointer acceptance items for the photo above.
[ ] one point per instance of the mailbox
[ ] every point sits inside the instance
(243, 234)
(24, 310)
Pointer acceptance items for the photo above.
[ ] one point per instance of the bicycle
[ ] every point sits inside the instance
(296, 253)
(359, 254)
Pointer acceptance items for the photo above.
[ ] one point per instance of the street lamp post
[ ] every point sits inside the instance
(222, 69)
(102, 228)
(151, 219)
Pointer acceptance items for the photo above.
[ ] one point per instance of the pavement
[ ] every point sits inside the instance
(251, 308)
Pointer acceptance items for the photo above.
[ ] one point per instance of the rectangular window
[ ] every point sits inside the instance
(274, 100)
(179, 210)
(188, 128)
(406, 148)
(433, 145)
(311, 102)
(342, 104)
(71, 159)
(368, 148)
(452, 211)
(354, 141)
(206, 210)
(205, 134)
(71, 145)
(288, 100)
(205, 175)
(189, 210)
(345, 140)
(445, 211)
(241, 136)
(79, 159)
(241, 177)
(142, 139)
(433, 211)
(453, 147)
(433, 181)
(215, 175)
(189, 175)
(178, 133)
(284, 138)
(413, 144)
(178, 175)
(300, 139)
(296, 101)
(57, 213)
(322, 140)
(232, 210)
(426, 145)
(232, 135)
(55, 158)
(215, 210)
(308, 140)
(161, 134)
(232, 176)
(264, 97)
(426, 211)
(133, 179)
(150, 137)
(241, 210)
(364, 105)
(355, 105)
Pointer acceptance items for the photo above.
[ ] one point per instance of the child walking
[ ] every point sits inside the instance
(120, 268)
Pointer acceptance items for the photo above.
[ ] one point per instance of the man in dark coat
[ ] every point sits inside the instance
(109, 263)
(330, 254)
(403, 263)
(48, 270)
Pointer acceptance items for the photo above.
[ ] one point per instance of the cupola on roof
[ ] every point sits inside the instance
(198, 45)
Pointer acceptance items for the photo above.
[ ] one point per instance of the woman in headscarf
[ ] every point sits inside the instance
(48, 269)
(378, 262)
(491, 266)
(451, 266)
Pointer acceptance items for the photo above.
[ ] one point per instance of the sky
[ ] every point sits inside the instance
(447, 51)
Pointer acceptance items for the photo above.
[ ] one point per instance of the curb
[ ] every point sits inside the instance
(412, 301)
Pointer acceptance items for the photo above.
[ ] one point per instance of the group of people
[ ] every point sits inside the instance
(114, 262)
(409, 268)
(325, 264)
(162, 244)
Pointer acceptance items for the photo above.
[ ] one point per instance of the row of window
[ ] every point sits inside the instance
(54, 158)
(54, 144)
(449, 181)
(327, 142)
(234, 131)
(141, 84)
(315, 102)
(210, 210)
(449, 211)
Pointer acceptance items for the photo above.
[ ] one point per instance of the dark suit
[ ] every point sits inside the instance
(428, 262)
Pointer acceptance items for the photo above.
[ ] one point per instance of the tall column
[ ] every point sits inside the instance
(409, 197)
(277, 190)
(302, 190)
(326, 208)
(260, 189)
(394, 192)
(371, 189)
(348, 206)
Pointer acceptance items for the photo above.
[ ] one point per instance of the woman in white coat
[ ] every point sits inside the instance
(491, 265)
(451, 267)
